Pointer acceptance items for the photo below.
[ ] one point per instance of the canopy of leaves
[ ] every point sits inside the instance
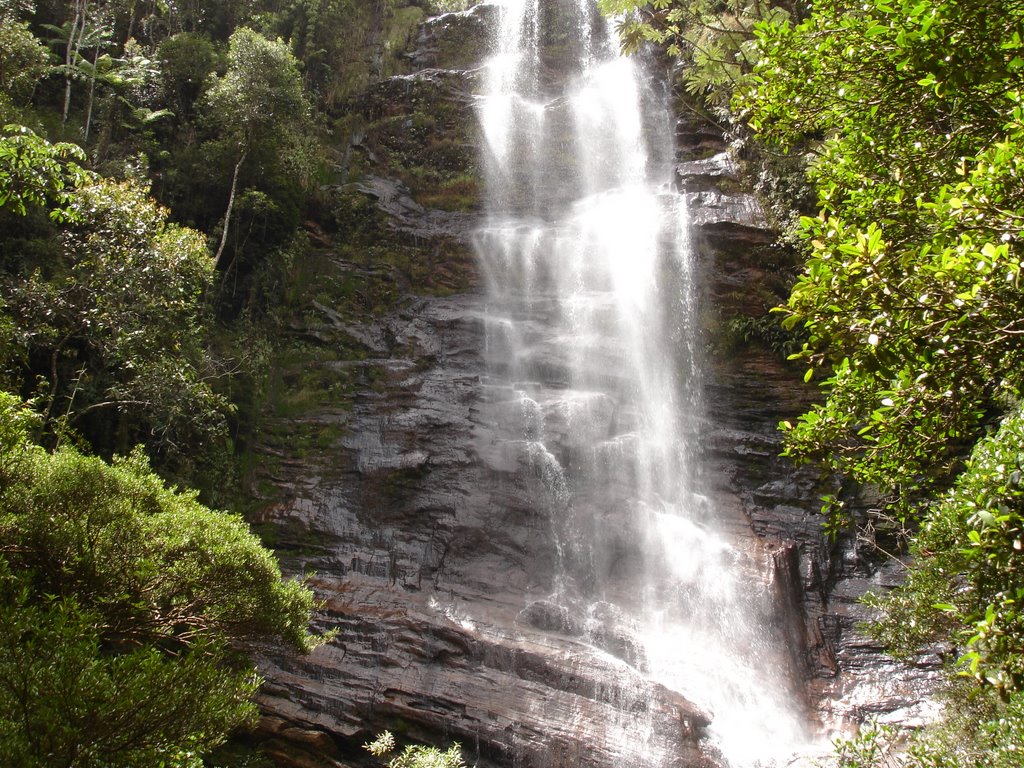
(123, 610)
(259, 99)
(911, 294)
(115, 319)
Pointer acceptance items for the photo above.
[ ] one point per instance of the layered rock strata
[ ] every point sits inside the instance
(381, 471)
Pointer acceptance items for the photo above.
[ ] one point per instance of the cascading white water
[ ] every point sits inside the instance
(594, 373)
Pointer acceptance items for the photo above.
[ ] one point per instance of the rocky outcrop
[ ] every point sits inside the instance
(454, 41)
(381, 469)
(434, 567)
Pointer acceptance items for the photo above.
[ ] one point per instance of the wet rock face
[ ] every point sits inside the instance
(381, 470)
(434, 567)
(818, 581)
(455, 41)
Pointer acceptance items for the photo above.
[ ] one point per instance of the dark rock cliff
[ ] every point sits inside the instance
(377, 470)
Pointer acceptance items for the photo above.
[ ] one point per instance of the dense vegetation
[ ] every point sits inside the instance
(125, 610)
(157, 161)
(158, 165)
(908, 116)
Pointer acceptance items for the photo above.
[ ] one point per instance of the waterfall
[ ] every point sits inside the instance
(594, 384)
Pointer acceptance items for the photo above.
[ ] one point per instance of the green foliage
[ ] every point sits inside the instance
(114, 320)
(911, 293)
(237, 753)
(764, 331)
(129, 85)
(34, 172)
(160, 567)
(317, 29)
(259, 99)
(912, 301)
(259, 107)
(713, 39)
(187, 62)
(124, 609)
(23, 58)
(415, 756)
(344, 45)
(873, 746)
(964, 586)
(66, 702)
(17, 425)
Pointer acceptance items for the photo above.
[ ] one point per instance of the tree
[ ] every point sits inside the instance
(113, 323)
(126, 611)
(188, 59)
(911, 300)
(911, 294)
(258, 102)
(316, 31)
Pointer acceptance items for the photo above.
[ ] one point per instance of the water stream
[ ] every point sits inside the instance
(594, 377)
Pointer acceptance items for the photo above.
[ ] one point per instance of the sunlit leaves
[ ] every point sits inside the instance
(258, 104)
(911, 293)
(714, 40)
(34, 172)
(259, 97)
(415, 756)
(912, 299)
(124, 608)
(936, 322)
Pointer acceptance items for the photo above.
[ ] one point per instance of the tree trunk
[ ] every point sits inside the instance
(131, 26)
(92, 96)
(75, 37)
(227, 216)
